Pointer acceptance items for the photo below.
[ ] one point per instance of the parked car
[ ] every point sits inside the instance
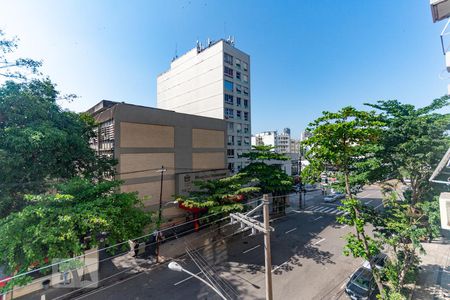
(379, 260)
(361, 285)
(333, 197)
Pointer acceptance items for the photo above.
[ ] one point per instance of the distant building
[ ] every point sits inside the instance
(305, 135)
(212, 81)
(283, 144)
(143, 139)
(281, 141)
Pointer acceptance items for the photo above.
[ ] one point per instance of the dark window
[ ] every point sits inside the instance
(246, 116)
(228, 72)
(228, 58)
(238, 75)
(245, 103)
(228, 99)
(238, 101)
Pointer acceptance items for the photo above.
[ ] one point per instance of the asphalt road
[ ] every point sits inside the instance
(306, 256)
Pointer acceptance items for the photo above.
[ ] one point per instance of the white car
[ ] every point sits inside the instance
(333, 197)
(379, 260)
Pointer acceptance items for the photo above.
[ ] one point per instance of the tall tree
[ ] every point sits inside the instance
(40, 143)
(414, 140)
(346, 141)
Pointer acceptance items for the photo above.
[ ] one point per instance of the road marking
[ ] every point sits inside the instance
(293, 229)
(280, 266)
(328, 210)
(335, 211)
(318, 241)
(340, 212)
(318, 218)
(186, 279)
(368, 202)
(321, 209)
(313, 207)
(248, 250)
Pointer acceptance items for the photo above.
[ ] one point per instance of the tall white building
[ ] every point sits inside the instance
(281, 141)
(212, 81)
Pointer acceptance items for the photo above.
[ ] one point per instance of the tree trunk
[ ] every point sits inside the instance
(374, 269)
(347, 185)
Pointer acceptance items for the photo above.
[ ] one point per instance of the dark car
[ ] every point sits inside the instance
(361, 285)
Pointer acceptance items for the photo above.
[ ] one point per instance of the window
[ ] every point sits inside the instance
(231, 167)
(228, 58)
(246, 141)
(245, 66)
(238, 114)
(238, 88)
(246, 116)
(245, 78)
(229, 113)
(230, 127)
(238, 127)
(230, 140)
(238, 63)
(230, 153)
(228, 85)
(245, 91)
(245, 102)
(238, 101)
(238, 75)
(239, 141)
(228, 99)
(228, 71)
(246, 128)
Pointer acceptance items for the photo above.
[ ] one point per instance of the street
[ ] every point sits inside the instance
(306, 255)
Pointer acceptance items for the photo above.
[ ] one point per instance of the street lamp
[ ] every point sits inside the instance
(174, 266)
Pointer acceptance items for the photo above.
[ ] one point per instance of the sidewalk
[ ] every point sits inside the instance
(433, 281)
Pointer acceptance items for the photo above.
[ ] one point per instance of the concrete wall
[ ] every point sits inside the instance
(147, 138)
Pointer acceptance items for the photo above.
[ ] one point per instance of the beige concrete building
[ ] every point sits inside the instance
(143, 139)
(212, 81)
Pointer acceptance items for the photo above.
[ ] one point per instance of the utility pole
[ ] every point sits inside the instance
(248, 222)
(268, 255)
(158, 234)
(300, 200)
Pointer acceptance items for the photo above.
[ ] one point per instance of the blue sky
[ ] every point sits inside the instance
(307, 56)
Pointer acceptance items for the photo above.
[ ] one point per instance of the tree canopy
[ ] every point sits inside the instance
(67, 222)
(40, 143)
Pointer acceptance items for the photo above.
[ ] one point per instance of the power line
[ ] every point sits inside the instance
(121, 243)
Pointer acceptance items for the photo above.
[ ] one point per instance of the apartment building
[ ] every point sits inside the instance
(281, 141)
(212, 81)
(143, 139)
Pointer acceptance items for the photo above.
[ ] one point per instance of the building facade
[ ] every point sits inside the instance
(143, 139)
(212, 81)
(282, 142)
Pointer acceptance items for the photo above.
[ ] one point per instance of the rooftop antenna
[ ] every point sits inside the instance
(199, 47)
(176, 52)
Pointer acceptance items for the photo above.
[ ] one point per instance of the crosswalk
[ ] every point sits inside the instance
(332, 210)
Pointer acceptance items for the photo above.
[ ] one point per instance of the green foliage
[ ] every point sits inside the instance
(64, 224)
(14, 68)
(344, 141)
(269, 178)
(40, 143)
(262, 153)
(219, 195)
(412, 143)
(432, 217)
